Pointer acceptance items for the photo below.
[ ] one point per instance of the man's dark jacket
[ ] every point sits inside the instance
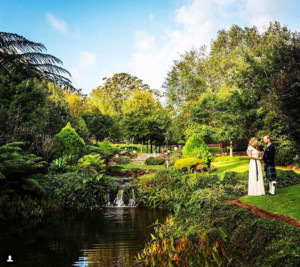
(269, 155)
(269, 160)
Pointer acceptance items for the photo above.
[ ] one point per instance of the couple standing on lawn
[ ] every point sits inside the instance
(256, 182)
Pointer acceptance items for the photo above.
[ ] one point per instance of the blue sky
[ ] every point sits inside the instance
(96, 39)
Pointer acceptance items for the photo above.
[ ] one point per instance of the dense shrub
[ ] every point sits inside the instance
(202, 180)
(214, 150)
(14, 207)
(163, 190)
(233, 178)
(68, 142)
(265, 238)
(79, 190)
(155, 161)
(168, 251)
(91, 164)
(188, 164)
(67, 163)
(122, 160)
(285, 152)
(196, 147)
(106, 149)
(287, 178)
(173, 156)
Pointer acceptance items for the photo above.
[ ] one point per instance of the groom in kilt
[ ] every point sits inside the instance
(269, 160)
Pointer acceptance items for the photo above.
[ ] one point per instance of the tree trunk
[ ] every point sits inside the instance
(147, 151)
(142, 146)
(223, 147)
(151, 147)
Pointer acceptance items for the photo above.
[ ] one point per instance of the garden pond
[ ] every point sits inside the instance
(106, 237)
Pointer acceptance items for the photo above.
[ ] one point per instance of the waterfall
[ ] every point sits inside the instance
(119, 202)
(109, 204)
(132, 201)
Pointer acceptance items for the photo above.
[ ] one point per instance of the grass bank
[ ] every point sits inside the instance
(286, 202)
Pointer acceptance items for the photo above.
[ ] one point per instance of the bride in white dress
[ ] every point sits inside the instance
(256, 182)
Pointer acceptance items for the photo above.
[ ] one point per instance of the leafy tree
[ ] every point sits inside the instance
(77, 103)
(99, 125)
(249, 86)
(110, 98)
(186, 80)
(144, 118)
(32, 112)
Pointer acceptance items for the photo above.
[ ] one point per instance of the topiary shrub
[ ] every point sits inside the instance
(189, 164)
(68, 142)
(155, 161)
(122, 160)
(196, 147)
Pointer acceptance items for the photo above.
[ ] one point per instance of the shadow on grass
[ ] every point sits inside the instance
(230, 166)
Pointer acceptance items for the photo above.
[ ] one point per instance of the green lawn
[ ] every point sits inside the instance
(235, 164)
(286, 202)
(142, 167)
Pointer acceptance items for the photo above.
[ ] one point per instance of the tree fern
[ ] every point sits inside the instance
(18, 54)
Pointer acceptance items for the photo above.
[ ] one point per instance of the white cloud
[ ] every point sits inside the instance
(84, 67)
(58, 24)
(151, 17)
(196, 22)
(260, 13)
(87, 59)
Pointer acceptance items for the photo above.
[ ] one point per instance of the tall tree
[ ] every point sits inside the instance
(144, 118)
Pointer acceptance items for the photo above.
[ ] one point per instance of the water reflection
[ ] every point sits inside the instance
(110, 237)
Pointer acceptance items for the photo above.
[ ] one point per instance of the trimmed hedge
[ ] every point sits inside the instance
(122, 160)
(155, 161)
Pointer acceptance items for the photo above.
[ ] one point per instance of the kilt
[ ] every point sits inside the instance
(270, 172)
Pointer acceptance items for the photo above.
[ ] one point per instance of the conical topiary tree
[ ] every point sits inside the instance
(69, 142)
(196, 147)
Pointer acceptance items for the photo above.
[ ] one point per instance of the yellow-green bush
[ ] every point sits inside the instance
(188, 164)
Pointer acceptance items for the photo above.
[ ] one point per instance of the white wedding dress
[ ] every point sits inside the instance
(256, 182)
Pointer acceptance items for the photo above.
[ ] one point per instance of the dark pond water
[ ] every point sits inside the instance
(110, 237)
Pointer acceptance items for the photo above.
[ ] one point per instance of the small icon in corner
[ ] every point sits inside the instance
(10, 259)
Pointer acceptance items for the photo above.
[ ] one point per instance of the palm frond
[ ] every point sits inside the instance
(34, 183)
(19, 55)
(12, 42)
